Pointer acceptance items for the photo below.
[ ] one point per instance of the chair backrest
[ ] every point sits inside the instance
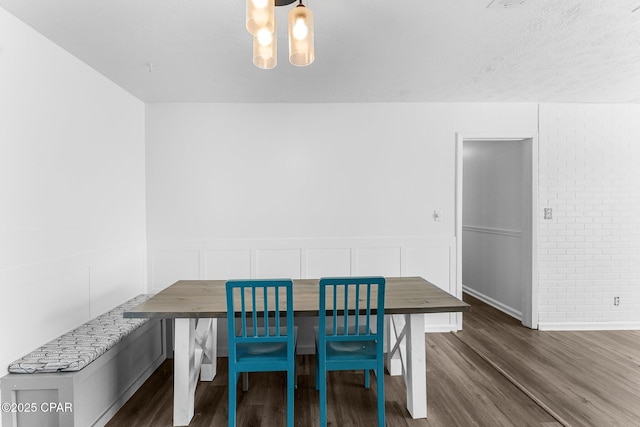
(260, 305)
(350, 307)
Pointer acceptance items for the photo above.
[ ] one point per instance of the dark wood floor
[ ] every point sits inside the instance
(582, 378)
(493, 373)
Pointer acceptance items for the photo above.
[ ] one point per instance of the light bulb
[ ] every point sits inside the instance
(260, 14)
(264, 48)
(265, 37)
(300, 29)
(260, 4)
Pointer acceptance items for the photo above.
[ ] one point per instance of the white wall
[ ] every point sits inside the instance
(305, 190)
(492, 223)
(72, 212)
(238, 190)
(590, 251)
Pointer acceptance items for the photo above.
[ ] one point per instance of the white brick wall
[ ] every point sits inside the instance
(589, 174)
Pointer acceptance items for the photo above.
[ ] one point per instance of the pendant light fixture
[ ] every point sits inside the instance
(301, 49)
(261, 24)
(265, 49)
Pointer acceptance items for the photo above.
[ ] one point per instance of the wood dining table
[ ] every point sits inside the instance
(195, 306)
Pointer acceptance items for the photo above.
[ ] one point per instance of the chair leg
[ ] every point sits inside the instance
(323, 396)
(295, 373)
(233, 381)
(290, 396)
(380, 391)
(317, 373)
(367, 381)
(245, 381)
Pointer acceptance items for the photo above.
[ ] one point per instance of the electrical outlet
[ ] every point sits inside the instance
(616, 301)
(548, 213)
(437, 216)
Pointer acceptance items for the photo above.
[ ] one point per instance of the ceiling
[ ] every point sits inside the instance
(366, 50)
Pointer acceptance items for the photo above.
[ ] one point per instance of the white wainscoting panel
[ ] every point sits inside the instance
(377, 262)
(328, 262)
(61, 301)
(227, 264)
(432, 263)
(492, 268)
(169, 266)
(435, 263)
(277, 263)
(116, 276)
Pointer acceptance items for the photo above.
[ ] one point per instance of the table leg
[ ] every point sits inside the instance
(394, 333)
(406, 356)
(194, 356)
(184, 364)
(416, 375)
(207, 331)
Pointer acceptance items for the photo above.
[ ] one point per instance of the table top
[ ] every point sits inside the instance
(207, 298)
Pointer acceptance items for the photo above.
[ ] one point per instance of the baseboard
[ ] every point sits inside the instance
(493, 303)
(589, 326)
(438, 329)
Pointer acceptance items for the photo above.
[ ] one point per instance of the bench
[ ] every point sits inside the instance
(83, 377)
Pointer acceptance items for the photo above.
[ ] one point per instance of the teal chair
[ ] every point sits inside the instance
(349, 309)
(261, 342)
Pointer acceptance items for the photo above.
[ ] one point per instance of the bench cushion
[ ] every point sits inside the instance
(81, 346)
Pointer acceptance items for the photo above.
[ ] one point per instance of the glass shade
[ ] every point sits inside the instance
(301, 50)
(260, 14)
(265, 49)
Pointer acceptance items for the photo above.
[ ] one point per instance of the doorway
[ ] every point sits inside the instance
(496, 204)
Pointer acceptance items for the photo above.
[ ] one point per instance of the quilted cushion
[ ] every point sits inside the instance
(76, 349)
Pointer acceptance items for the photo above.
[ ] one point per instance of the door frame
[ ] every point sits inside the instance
(530, 233)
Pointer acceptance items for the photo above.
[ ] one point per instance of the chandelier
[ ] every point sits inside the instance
(261, 24)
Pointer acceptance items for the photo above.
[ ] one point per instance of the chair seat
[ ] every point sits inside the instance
(351, 350)
(273, 350)
(265, 350)
(345, 350)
